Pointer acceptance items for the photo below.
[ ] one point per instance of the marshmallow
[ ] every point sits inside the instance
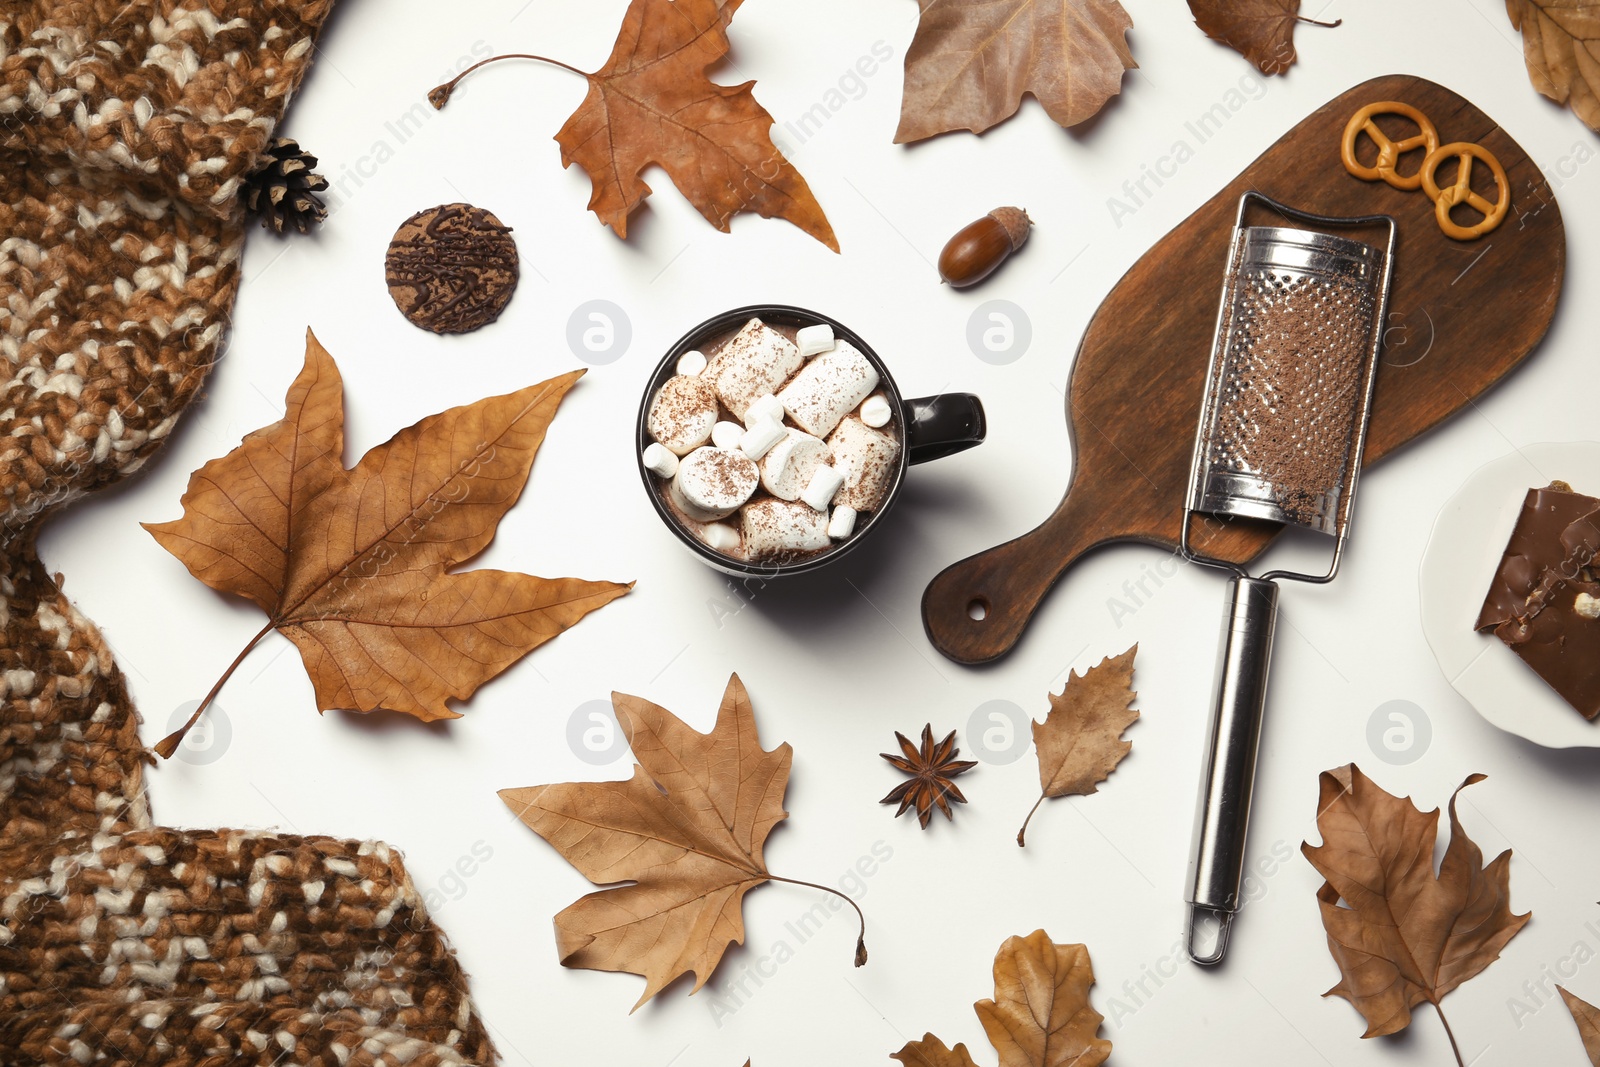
(692, 362)
(875, 410)
(723, 538)
(753, 362)
(760, 438)
(782, 528)
(717, 535)
(842, 523)
(828, 388)
(871, 459)
(659, 459)
(824, 484)
(767, 407)
(726, 434)
(711, 483)
(682, 414)
(814, 339)
(787, 469)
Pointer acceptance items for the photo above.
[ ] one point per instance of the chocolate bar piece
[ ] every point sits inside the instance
(1544, 601)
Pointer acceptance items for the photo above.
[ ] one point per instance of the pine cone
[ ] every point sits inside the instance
(282, 188)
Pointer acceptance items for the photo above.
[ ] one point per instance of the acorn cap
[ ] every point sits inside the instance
(1016, 223)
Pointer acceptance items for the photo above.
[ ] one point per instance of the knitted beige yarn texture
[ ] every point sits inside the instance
(125, 130)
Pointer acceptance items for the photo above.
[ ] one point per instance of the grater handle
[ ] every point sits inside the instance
(1222, 817)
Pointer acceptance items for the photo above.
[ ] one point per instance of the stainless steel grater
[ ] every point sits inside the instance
(1281, 433)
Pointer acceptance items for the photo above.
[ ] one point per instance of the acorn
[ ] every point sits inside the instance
(973, 254)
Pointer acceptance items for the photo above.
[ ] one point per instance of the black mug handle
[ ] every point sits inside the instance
(939, 426)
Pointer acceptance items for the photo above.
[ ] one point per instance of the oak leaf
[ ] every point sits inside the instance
(686, 832)
(970, 64)
(652, 104)
(1260, 30)
(1587, 1017)
(932, 1052)
(352, 565)
(1561, 47)
(1401, 934)
(1080, 743)
(1040, 1015)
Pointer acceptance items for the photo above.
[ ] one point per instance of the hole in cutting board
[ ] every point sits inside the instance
(978, 609)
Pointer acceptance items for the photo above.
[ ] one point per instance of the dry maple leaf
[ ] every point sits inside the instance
(1400, 934)
(1040, 1015)
(1260, 30)
(969, 64)
(932, 768)
(351, 565)
(686, 831)
(1080, 741)
(1561, 46)
(653, 104)
(1587, 1016)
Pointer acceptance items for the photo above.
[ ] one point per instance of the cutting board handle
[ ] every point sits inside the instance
(974, 611)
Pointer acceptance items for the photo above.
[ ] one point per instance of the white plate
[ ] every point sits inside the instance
(1463, 551)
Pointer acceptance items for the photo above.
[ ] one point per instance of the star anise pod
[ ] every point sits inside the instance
(931, 768)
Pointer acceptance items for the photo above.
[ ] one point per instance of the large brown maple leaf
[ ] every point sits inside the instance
(1561, 47)
(1400, 934)
(652, 103)
(351, 565)
(970, 63)
(1040, 1015)
(687, 831)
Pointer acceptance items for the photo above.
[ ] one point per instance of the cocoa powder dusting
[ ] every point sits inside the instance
(681, 400)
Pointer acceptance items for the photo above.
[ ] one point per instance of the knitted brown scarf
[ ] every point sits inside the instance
(126, 129)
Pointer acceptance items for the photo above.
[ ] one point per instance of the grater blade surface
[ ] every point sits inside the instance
(1296, 347)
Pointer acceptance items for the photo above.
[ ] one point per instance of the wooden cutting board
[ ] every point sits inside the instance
(1462, 316)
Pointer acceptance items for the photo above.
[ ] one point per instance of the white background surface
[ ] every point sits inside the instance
(837, 663)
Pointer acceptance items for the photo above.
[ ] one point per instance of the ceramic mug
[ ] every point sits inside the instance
(931, 427)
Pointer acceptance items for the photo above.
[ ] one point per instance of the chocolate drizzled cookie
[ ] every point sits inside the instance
(452, 268)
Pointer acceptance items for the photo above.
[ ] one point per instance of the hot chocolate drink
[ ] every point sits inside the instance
(772, 440)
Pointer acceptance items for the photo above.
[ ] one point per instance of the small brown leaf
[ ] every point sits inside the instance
(1400, 934)
(970, 64)
(1080, 741)
(931, 1052)
(686, 832)
(1040, 1015)
(1260, 30)
(1587, 1016)
(353, 566)
(1561, 47)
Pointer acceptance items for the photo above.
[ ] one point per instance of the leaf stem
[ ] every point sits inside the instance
(1020, 842)
(1450, 1034)
(1319, 22)
(169, 744)
(439, 95)
(861, 939)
